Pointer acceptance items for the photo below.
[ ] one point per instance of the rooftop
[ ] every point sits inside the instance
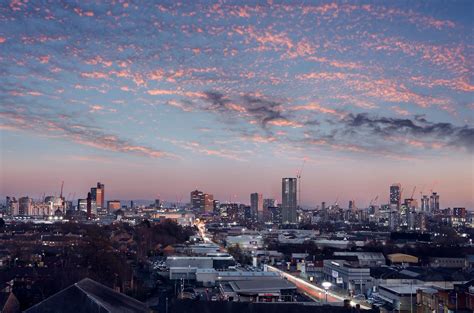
(261, 286)
(87, 296)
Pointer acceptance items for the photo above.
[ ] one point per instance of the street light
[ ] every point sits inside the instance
(326, 285)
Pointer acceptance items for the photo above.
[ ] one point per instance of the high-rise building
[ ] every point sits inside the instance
(434, 202)
(157, 203)
(395, 195)
(208, 203)
(425, 204)
(82, 205)
(256, 205)
(352, 205)
(12, 206)
(24, 205)
(324, 212)
(267, 213)
(197, 200)
(289, 200)
(89, 205)
(269, 203)
(216, 205)
(98, 195)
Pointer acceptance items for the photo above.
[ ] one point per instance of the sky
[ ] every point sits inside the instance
(155, 99)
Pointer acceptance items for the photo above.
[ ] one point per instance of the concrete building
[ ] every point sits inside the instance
(434, 202)
(250, 242)
(24, 206)
(216, 262)
(289, 200)
(258, 290)
(210, 276)
(181, 218)
(368, 259)
(448, 262)
(402, 297)
(354, 279)
(256, 206)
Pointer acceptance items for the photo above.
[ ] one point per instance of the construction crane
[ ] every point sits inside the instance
(413, 192)
(61, 194)
(298, 176)
(62, 186)
(178, 201)
(374, 201)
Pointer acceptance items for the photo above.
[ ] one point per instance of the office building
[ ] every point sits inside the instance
(208, 203)
(82, 205)
(268, 203)
(113, 205)
(197, 200)
(256, 206)
(395, 195)
(89, 205)
(289, 200)
(98, 195)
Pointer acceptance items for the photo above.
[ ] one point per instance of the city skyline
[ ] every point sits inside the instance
(161, 99)
(204, 201)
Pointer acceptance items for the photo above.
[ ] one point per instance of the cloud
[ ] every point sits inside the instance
(455, 136)
(319, 108)
(159, 92)
(259, 110)
(65, 127)
(197, 147)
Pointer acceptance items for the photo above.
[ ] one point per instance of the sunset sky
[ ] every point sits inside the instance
(155, 100)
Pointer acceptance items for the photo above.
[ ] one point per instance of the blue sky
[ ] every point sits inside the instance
(161, 98)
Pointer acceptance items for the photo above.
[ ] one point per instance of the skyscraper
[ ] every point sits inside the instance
(98, 195)
(425, 204)
(197, 200)
(24, 206)
(256, 205)
(269, 203)
(434, 202)
(395, 195)
(208, 203)
(89, 205)
(288, 200)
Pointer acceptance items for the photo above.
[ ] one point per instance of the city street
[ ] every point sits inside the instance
(312, 290)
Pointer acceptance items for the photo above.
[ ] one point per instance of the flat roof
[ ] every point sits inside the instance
(403, 289)
(261, 286)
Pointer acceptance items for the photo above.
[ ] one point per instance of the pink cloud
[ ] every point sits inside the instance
(316, 107)
(159, 92)
(400, 111)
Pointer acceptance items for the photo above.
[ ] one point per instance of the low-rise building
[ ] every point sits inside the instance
(365, 258)
(353, 278)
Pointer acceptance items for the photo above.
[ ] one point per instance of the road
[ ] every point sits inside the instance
(202, 232)
(315, 292)
(312, 290)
